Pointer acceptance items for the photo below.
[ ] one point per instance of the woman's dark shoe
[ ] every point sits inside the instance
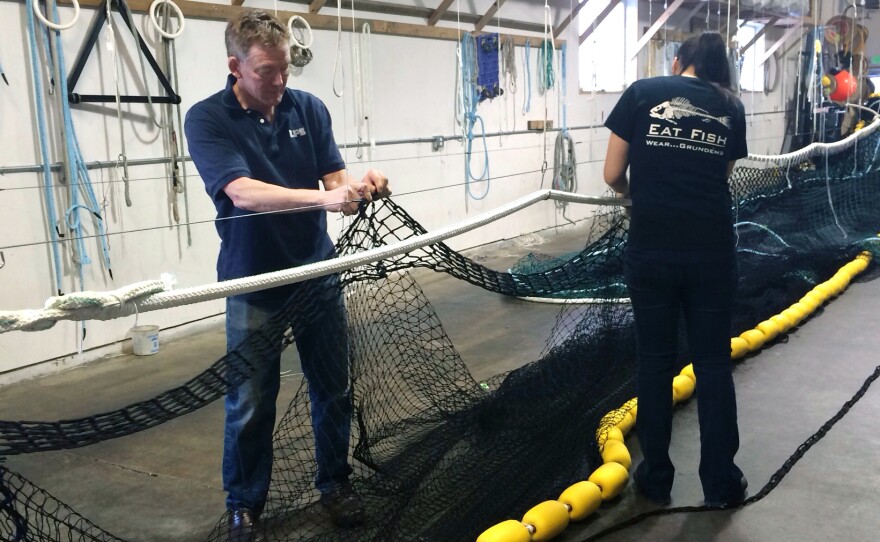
(659, 500)
(735, 501)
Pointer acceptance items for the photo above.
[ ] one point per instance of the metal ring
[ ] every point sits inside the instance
(56, 26)
(306, 27)
(177, 11)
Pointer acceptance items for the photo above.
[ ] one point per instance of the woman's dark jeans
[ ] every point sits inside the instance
(663, 286)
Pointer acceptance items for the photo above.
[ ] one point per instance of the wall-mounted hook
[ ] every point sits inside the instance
(2, 260)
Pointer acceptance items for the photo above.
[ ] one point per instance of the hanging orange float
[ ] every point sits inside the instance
(840, 85)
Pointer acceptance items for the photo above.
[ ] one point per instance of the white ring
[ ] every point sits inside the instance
(55, 26)
(307, 28)
(177, 11)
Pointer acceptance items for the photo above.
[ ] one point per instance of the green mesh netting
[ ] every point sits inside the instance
(437, 456)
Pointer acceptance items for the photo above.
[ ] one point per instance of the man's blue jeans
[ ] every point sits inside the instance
(662, 287)
(322, 343)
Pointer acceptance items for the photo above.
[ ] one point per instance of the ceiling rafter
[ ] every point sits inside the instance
(488, 15)
(565, 22)
(661, 20)
(205, 10)
(598, 20)
(791, 31)
(441, 9)
(758, 35)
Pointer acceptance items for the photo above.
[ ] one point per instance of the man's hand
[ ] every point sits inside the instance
(377, 183)
(345, 199)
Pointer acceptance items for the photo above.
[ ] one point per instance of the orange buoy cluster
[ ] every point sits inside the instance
(550, 518)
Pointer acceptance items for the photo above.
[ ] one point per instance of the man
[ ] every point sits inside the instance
(261, 149)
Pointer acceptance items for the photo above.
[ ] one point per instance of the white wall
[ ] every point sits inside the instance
(414, 82)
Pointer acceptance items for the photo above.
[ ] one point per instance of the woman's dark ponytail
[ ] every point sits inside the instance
(707, 53)
(710, 62)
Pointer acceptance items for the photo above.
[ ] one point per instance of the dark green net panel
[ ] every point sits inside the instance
(436, 455)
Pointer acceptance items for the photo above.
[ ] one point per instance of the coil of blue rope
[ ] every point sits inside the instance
(471, 98)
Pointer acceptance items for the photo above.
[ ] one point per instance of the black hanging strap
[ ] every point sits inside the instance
(89, 44)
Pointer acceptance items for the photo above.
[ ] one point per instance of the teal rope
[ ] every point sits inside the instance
(546, 75)
(564, 92)
(471, 94)
(527, 95)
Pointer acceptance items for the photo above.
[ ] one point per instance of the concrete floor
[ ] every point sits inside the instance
(164, 484)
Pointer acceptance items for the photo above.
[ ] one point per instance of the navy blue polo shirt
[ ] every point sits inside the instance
(682, 133)
(294, 151)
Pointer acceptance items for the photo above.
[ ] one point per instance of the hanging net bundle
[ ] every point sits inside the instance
(437, 455)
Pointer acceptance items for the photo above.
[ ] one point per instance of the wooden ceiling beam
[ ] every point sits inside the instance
(791, 31)
(565, 22)
(315, 6)
(661, 20)
(598, 20)
(441, 9)
(488, 15)
(758, 35)
(223, 12)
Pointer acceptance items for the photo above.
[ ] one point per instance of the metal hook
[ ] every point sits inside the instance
(2, 260)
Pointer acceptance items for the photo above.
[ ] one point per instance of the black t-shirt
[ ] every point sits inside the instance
(682, 132)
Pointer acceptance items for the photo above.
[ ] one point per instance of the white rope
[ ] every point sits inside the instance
(93, 302)
(367, 74)
(814, 149)
(122, 159)
(337, 62)
(117, 304)
(360, 62)
(576, 300)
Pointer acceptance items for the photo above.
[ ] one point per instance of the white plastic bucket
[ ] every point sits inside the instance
(145, 340)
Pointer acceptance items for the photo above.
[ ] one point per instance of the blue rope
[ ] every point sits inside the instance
(564, 92)
(80, 178)
(527, 95)
(44, 149)
(471, 94)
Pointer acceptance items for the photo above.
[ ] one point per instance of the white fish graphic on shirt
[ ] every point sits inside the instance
(677, 108)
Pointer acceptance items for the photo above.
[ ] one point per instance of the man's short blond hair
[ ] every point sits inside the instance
(254, 27)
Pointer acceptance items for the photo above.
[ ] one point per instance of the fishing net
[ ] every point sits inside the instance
(436, 454)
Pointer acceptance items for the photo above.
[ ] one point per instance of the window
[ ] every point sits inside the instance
(603, 58)
(751, 74)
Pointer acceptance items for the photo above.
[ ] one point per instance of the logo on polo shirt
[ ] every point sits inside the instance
(297, 132)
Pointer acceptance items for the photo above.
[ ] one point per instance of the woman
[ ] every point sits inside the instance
(680, 136)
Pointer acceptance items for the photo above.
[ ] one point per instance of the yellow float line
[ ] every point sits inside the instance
(549, 518)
